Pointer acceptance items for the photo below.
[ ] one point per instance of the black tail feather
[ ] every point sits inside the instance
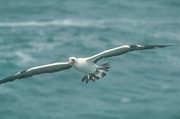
(100, 72)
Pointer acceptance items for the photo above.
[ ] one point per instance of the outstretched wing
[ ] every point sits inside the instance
(121, 50)
(49, 68)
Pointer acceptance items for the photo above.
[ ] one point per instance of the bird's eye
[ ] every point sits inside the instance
(73, 60)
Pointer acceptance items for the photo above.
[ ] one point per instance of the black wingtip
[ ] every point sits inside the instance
(160, 46)
(164, 46)
(8, 79)
(145, 47)
(13, 77)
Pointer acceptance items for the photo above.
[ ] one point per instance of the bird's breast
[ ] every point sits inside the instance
(84, 66)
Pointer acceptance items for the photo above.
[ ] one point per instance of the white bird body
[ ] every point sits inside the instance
(87, 65)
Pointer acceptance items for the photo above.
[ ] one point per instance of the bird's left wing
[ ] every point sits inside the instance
(49, 68)
(121, 50)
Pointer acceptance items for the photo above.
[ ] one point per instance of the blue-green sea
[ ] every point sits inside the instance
(139, 85)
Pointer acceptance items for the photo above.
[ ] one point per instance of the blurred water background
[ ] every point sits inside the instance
(140, 85)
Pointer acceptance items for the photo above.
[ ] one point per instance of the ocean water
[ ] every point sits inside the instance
(140, 84)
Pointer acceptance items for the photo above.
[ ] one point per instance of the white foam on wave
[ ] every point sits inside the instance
(125, 100)
(65, 22)
(100, 23)
(146, 21)
(24, 58)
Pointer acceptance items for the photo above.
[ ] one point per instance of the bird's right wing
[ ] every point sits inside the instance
(49, 68)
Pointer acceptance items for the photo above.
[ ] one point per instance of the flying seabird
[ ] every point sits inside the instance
(86, 65)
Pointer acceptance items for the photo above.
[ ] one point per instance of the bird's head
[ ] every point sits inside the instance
(72, 60)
